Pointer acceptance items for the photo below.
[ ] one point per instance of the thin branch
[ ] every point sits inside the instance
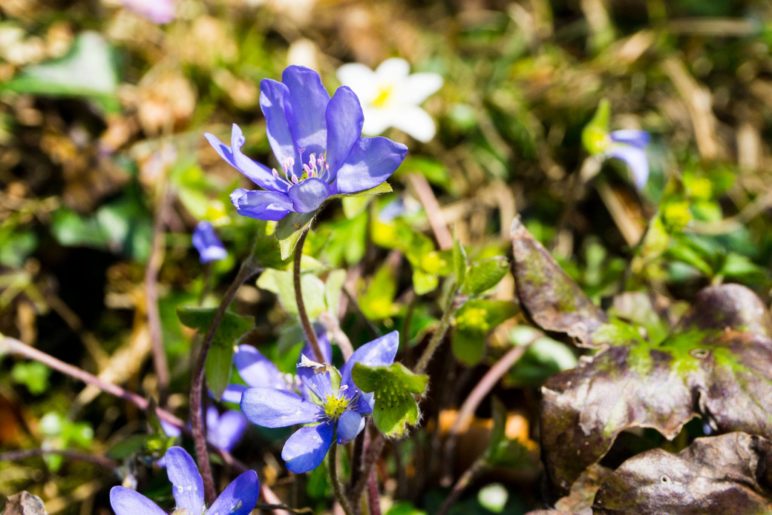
(247, 270)
(463, 482)
(23, 454)
(305, 322)
(438, 336)
(480, 391)
(336, 484)
(154, 263)
(433, 211)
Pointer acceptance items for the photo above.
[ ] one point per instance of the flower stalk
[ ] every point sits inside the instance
(248, 268)
(305, 322)
(336, 483)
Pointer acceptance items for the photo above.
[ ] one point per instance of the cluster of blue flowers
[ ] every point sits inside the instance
(318, 144)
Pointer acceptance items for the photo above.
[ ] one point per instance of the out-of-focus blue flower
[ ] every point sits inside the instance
(238, 498)
(318, 143)
(208, 245)
(326, 403)
(223, 431)
(630, 146)
(157, 11)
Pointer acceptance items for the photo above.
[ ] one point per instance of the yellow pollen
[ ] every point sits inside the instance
(335, 406)
(383, 96)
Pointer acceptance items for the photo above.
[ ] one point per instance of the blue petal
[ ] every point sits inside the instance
(344, 126)
(635, 159)
(233, 393)
(228, 431)
(126, 501)
(315, 382)
(257, 370)
(255, 172)
(371, 161)
(308, 195)
(187, 485)
(263, 205)
(275, 408)
(308, 99)
(349, 425)
(239, 497)
(638, 139)
(380, 351)
(306, 448)
(170, 430)
(208, 245)
(275, 104)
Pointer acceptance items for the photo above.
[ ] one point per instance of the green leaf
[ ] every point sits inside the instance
(595, 133)
(472, 324)
(281, 282)
(394, 387)
(355, 204)
(377, 301)
(493, 497)
(219, 358)
(33, 375)
(15, 246)
(288, 231)
(88, 70)
(460, 262)
(267, 251)
(484, 275)
(424, 283)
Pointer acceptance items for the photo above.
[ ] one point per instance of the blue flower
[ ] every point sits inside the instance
(327, 403)
(630, 146)
(318, 143)
(208, 245)
(223, 431)
(238, 498)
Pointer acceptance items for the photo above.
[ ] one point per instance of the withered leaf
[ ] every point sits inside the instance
(549, 295)
(720, 474)
(716, 364)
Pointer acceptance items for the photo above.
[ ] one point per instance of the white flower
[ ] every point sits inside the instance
(391, 96)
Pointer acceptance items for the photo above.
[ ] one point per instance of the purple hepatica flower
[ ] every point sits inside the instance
(238, 498)
(630, 147)
(208, 245)
(157, 11)
(330, 404)
(318, 143)
(224, 431)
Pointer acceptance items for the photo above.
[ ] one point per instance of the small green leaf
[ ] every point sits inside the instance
(219, 358)
(281, 282)
(424, 283)
(288, 231)
(355, 204)
(377, 301)
(395, 387)
(33, 375)
(460, 262)
(595, 133)
(485, 274)
(473, 322)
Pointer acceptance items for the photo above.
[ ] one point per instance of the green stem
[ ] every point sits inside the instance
(438, 335)
(336, 484)
(308, 329)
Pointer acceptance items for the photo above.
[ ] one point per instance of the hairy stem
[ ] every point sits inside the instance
(247, 270)
(438, 336)
(336, 484)
(373, 497)
(308, 329)
(373, 452)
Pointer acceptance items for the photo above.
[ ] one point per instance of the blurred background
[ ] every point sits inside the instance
(104, 173)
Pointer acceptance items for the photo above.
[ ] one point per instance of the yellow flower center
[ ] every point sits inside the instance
(383, 96)
(334, 406)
